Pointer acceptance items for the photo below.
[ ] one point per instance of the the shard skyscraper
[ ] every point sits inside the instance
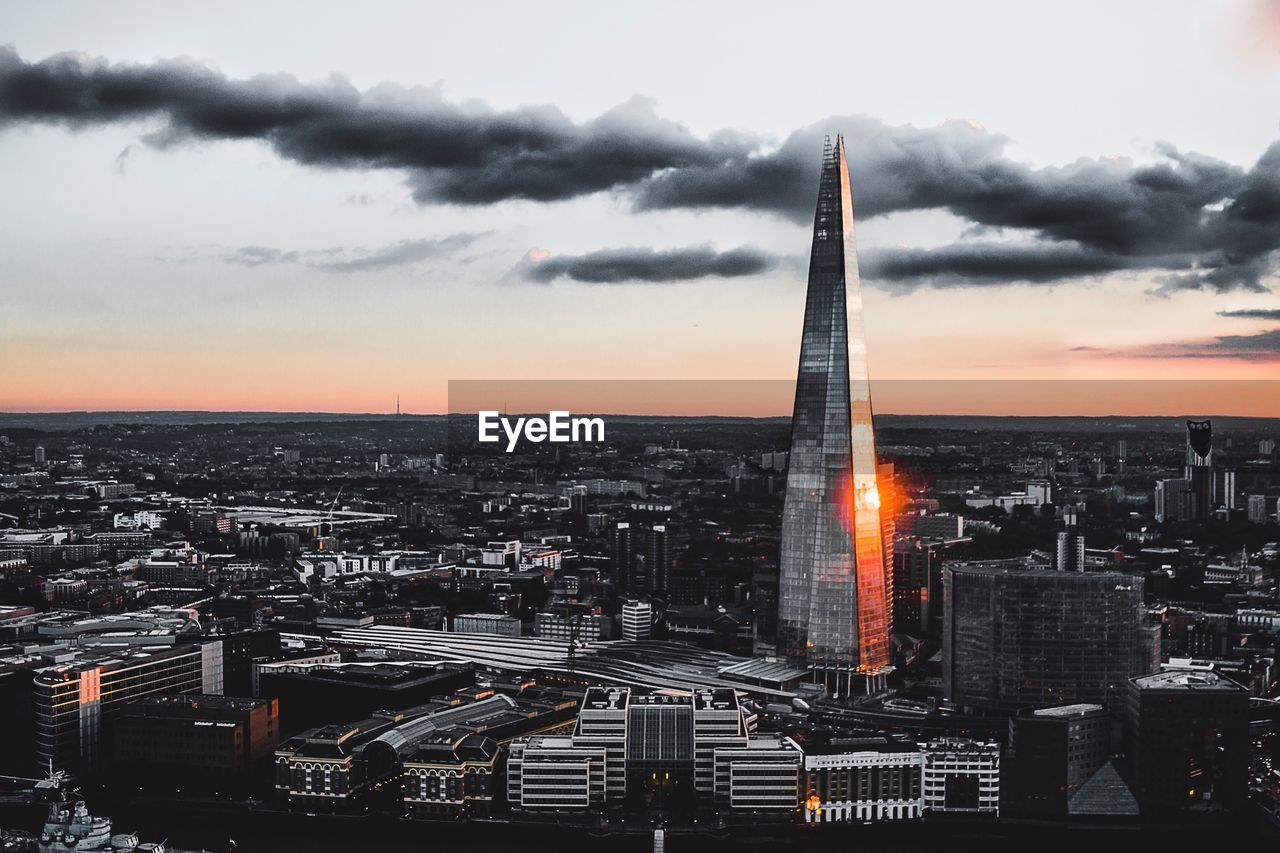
(833, 587)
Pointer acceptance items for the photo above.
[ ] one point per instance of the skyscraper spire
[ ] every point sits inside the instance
(833, 609)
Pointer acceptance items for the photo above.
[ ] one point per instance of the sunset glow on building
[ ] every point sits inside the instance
(833, 593)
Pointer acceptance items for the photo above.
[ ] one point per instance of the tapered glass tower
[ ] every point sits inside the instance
(833, 596)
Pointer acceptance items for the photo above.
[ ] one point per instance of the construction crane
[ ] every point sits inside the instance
(334, 506)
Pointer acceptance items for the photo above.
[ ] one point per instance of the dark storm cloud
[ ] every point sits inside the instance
(615, 266)
(1199, 222)
(354, 260)
(1253, 313)
(459, 153)
(1214, 224)
(980, 263)
(1260, 346)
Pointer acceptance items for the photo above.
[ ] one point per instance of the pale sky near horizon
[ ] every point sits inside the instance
(133, 273)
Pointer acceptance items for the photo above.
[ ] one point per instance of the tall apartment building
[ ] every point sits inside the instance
(637, 620)
(1199, 469)
(1172, 499)
(642, 558)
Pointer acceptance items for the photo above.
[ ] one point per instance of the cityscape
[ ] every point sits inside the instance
(548, 609)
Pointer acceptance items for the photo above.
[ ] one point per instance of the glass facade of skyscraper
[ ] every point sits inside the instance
(833, 609)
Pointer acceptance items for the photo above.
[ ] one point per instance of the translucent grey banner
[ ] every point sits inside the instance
(518, 415)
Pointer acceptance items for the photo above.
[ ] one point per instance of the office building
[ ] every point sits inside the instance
(660, 751)
(73, 701)
(312, 694)
(1187, 736)
(774, 460)
(834, 591)
(961, 776)
(936, 525)
(764, 600)
(552, 773)
(1017, 637)
(917, 584)
(602, 723)
(506, 554)
(487, 623)
(664, 750)
(869, 780)
(761, 775)
(581, 623)
(1257, 509)
(1054, 752)
(190, 740)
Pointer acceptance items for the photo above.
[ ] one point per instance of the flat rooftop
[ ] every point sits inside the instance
(1187, 680)
(1079, 710)
(192, 704)
(649, 664)
(381, 674)
(606, 698)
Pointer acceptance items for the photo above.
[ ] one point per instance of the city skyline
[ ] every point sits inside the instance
(262, 228)
(421, 424)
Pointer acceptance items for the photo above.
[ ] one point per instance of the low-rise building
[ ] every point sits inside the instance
(866, 780)
(195, 739)
(452, 774)
(961, 776)
(486, 623)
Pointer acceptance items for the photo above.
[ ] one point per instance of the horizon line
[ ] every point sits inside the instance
(390, 414)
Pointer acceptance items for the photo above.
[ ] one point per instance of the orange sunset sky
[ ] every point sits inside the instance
(554, 202)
